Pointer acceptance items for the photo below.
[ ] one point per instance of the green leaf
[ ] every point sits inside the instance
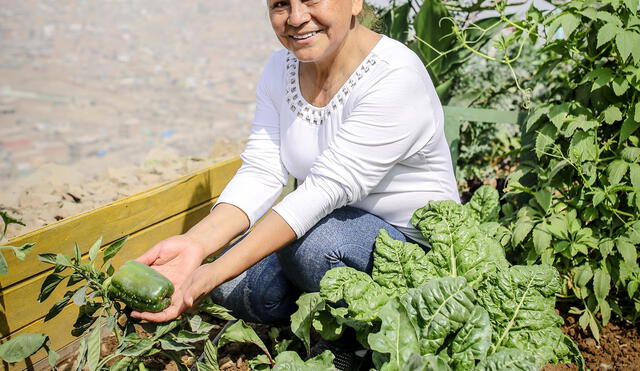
(308, 305)
(543, 197)
(397, 336)
(218, 311)
(631, 154)
(138, 348)
(81, 358)
(122, 364)
(616, 170)
(21, 347)
(437, 309)
(620, 85)
(93, 347)
(606, 33)
(210, 354)
(364, 297)
(569, 23)
(472, 342)
(47, 258)
(601, 284)
(433, 26)
(58, 306)
(93, 251)
(634, 174)
(458, 245)
(582, 275)
(484, 204)
(239, 332)
(4, 267)
(521, 231)
(398, 265)
(541, 239)
(544, 139)
(50, 283)
(396, 21)
(627, 250)
(632, 5)
(520, 301)
(612, 114)
(509, 359)
(629, 127)
(627, 43)
(583, 147)
(289, 360)
(113, 249)
(170, 344)
(600, 76)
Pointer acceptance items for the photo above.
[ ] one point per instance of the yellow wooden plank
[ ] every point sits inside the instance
(20, 304)
(118, 219)
(59, 328)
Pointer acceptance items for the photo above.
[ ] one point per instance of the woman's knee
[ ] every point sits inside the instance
(346, 237)
(262, 294)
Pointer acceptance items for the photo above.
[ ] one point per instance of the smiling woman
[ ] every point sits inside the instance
(354, 117)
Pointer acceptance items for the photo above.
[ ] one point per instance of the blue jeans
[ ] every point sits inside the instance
(267, 292)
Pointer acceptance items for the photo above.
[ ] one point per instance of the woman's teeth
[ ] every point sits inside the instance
(305, 36)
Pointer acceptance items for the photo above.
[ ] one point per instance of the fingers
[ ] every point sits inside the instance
(172, 312)
(149, 257)
(200, 284)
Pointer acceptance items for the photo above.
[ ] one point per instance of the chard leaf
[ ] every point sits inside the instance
(520, 301)
(484, 206)
(363, 296)
(437, 309)
(458, 246)
(509, 360)
(399, 265)
(426, 363)
(308, 305)
(397, 336)
(290, 360)
(472, 342)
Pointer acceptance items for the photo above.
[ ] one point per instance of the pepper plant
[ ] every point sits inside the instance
(22, 346)
(577, 190)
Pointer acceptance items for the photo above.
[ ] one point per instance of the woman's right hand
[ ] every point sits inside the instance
(176, 258)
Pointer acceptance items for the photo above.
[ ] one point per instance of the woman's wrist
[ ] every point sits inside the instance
(224, 223)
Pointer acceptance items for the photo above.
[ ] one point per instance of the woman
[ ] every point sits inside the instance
(351, 114)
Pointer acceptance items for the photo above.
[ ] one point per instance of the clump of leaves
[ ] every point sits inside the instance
(577, 189)
(22, 346)
(19, 251)
(460, 306)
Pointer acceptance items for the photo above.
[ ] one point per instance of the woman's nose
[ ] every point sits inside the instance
(299, 14)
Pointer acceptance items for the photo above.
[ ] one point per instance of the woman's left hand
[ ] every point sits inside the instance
(200, 283)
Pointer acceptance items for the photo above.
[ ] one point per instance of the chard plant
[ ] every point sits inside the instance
(460, 306)
(577, 190)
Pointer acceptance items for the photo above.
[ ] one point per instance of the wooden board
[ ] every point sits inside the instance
(59, 328)
(119, 218)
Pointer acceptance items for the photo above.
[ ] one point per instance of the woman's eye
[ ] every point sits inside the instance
(279, 4)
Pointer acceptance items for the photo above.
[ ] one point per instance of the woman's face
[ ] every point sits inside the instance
(312, 29)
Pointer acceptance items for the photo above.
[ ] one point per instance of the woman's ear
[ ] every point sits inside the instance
(356, 7)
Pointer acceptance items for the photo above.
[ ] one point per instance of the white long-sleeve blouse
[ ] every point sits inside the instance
(378, 145)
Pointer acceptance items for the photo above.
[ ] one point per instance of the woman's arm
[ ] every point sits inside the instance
(224, 223)
(269, 235)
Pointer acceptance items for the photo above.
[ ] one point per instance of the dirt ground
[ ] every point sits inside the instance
(101, 99)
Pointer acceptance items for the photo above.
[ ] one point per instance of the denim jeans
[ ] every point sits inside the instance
(267, 292)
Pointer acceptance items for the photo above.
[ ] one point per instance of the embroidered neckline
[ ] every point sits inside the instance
(317, 115)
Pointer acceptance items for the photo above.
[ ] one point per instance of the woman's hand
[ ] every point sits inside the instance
(201, 282)
(176, 258)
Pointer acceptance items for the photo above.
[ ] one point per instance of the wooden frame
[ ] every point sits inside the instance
(146, 218)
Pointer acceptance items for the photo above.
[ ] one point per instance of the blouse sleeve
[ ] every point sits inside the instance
(259, 181)
(391, 121)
